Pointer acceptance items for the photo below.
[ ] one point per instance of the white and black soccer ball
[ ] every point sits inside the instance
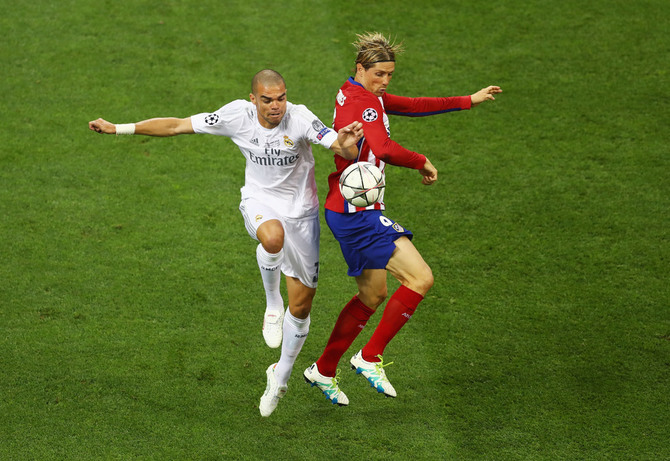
(362, 184)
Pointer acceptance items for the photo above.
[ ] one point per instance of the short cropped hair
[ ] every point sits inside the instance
(266, 77)
(373, 47)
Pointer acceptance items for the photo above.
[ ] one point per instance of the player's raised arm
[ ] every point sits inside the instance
(485, 94)
(168, 126)
(347, 139)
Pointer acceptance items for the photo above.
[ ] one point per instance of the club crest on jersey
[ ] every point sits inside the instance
(259, 217)
(288, 142)
(397, 227)
(341, 98)
(369, 115)
(212, 119)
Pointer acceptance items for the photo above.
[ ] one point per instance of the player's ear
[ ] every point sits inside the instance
(252, 98)
(359, 68)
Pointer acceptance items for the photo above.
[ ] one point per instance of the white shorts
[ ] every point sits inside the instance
(301, 240)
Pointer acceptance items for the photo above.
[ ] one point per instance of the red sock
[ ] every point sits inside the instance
(397, 312)
(349, 324)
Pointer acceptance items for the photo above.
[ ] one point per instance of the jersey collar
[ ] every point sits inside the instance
(354, 82)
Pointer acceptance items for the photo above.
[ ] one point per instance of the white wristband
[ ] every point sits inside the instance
(125, 128)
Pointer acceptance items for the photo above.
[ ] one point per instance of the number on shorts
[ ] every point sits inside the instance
(385, 221)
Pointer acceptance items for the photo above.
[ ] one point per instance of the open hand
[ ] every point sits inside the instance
(350, 134)
(485, 94)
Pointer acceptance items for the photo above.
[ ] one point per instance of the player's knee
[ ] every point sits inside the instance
(271, 236)
(429, 281)
(373, 299)
(273, 244)
(300, 310)
(380, 298)
(301, 306)
(424, 281)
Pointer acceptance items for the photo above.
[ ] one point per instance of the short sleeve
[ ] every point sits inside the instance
(314, 129)
(223, 122)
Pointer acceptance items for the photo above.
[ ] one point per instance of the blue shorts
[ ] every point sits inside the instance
(366, 238)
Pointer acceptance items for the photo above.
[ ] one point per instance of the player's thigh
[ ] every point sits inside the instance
(408, 266)
(300, 297)
(372, 288)
(263, 224)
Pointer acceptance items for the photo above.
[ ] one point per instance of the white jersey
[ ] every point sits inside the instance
(280, 164)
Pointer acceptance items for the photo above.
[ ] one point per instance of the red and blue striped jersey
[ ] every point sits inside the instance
(355, 103)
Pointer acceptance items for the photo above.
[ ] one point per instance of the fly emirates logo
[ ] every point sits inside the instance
(273, 157)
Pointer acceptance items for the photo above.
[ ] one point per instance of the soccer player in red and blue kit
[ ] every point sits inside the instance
(371, 243)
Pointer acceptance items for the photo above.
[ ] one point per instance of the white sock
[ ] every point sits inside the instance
(295, 334)
(269, 265)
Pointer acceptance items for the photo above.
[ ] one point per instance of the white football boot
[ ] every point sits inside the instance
(326, 384)
(273, 327)
(273, 392)
(374, 373)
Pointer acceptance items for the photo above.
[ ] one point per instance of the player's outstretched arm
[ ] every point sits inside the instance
(485, 94)
(429, 173)
(168, 126)
(347, 138)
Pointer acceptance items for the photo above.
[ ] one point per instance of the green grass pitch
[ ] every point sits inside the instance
(130, 303)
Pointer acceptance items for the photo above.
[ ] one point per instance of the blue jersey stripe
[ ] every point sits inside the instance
(422, 114)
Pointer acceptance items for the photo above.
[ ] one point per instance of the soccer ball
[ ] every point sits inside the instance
(362, 184)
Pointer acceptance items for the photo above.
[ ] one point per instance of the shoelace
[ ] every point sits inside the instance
(380, 365)
(336, 378)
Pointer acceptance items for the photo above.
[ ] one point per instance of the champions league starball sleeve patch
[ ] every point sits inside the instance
(212, 119)
(369, 115)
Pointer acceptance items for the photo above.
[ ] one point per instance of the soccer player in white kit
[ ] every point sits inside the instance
(279, 201)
